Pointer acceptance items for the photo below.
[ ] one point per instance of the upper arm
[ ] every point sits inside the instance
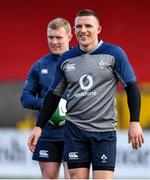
(31, 83)
(123, 68)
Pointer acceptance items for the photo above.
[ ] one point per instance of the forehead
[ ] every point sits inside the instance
(86, 20)
(56, 32)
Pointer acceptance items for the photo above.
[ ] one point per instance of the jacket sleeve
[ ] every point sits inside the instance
(29, 98)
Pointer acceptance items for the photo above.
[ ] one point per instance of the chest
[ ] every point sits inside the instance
(46, 74)
(98, 67)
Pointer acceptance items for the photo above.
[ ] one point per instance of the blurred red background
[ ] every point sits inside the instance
(23, 26)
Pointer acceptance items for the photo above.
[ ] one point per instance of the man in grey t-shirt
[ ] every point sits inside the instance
(91, 72)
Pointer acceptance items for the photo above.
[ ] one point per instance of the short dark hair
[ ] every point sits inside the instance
(87, 12)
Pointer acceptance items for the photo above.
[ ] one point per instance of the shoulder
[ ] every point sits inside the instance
(37, 64)
(113, 50)
(74, 52)
(43, 60)
(46, 58)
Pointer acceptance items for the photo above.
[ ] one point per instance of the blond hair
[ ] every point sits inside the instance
(60, 22)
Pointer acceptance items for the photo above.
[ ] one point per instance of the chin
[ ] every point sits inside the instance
(84, 44)
(56, 52)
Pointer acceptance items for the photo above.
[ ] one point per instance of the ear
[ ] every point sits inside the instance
(70, 37)
(74, 30)
(99, 29)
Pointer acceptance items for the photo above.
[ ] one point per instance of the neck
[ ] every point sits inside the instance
(89, 47)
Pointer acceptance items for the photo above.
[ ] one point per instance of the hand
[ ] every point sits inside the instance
(135, 135)
(33, 138)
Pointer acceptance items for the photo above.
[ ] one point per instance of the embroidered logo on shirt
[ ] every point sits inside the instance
(44, 71)
(101, 65)
(70, 67)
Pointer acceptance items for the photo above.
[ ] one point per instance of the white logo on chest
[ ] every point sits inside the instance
(86, 82)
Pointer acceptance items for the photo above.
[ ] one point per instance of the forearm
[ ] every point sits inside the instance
(49, 106)
(134, 101)
(31, 102)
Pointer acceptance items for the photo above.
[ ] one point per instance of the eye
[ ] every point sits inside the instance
(59, 37)
(50, 37)
(78, 26)
(88, 25)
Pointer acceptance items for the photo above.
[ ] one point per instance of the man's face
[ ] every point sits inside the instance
(86, 30)
(58, 40)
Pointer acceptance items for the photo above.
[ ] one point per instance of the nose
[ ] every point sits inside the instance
(83, 29)
(54, 41)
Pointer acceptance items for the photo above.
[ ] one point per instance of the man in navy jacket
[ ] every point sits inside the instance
(50, 146)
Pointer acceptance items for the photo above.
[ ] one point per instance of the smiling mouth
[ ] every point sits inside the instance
(83, 36)
(55, 47)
